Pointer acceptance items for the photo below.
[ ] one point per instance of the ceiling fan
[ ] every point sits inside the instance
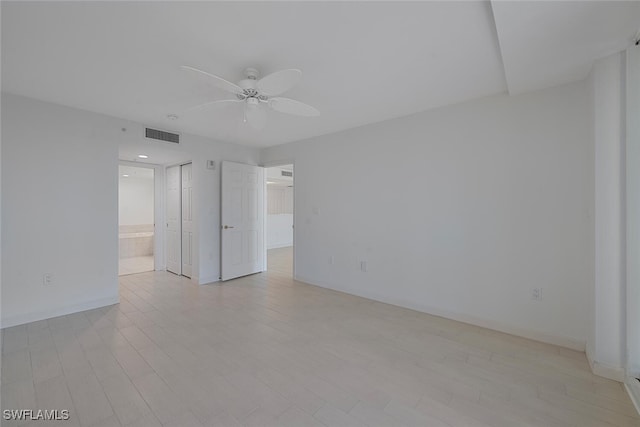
(257, 94)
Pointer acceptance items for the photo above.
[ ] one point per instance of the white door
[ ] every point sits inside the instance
(187, 219)
(242, 220)
(174, 253)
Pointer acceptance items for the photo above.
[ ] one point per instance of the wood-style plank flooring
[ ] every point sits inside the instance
(135, 265)
(265, 350)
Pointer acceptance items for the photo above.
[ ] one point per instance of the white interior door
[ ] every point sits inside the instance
(242, 220)
(174, 252)
(187, 218)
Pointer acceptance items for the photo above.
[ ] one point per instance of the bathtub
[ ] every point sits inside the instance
(135, 240)
(140, 234)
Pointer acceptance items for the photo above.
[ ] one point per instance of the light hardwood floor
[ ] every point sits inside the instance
(265, 350)
(134, 265)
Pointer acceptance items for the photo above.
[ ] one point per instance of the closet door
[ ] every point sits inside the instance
(174, 252)
(187, 219)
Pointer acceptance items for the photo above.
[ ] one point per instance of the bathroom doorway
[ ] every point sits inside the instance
(136, 227)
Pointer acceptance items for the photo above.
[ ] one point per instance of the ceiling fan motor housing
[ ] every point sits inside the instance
(249, 87)
(251, 73)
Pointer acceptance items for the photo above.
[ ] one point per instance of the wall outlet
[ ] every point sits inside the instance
(47, 279)
(536, 294)
(363, 266)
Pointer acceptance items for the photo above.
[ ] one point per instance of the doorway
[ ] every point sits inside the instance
(280, 219)
(136, 229)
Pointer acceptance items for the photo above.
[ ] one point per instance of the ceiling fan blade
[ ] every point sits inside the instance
(208, 104)
(214, 80)
(279, 82)
(256, 116)
(291, 106)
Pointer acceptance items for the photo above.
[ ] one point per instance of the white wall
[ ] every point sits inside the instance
(607, 344)
(135, 200)
(55, 223)
(458, 211)
(59, 198)
(206, 190)
(633, 215)
(279, 215)
(279, 231)
(0, 226)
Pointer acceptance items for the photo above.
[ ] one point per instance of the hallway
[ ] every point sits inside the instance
(280, 262)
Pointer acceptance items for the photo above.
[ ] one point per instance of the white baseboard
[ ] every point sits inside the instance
(33, 317)
(208, 279)
(603, 370)
(610, 372)
(632, 386)
(460, 317)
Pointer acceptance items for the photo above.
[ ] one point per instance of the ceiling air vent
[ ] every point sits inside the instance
(286, 173)
(161, 135)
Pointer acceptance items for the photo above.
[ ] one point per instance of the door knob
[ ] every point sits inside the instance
(227, 226)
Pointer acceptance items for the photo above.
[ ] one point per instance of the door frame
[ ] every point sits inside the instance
(275, 164)
(159, 260)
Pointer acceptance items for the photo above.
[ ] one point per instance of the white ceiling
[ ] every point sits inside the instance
(548, 43)
(135, 172)
(156, 154)
(363, 62)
